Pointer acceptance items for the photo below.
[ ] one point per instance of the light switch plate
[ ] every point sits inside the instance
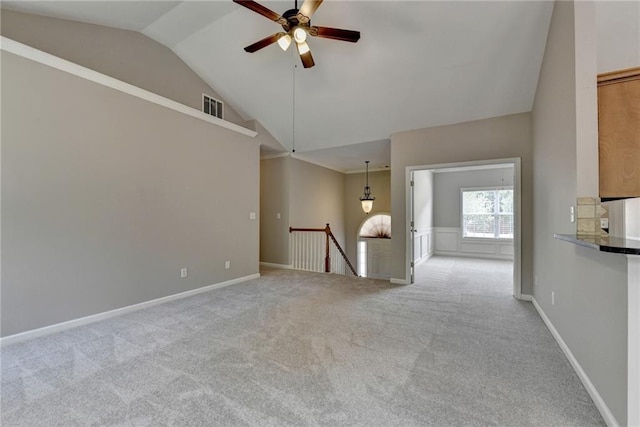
(252, 215)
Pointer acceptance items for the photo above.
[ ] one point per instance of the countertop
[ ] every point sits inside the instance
(616, 245)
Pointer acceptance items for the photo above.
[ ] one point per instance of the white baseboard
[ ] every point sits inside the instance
(591, 389)
(525, 297)
(474, 255)
(272, 265)
(58, 327)
(423, 259)
(398, 281)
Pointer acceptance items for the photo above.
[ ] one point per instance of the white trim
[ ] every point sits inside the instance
(633, 340)
(58, 327)
(474, 255)
(423, 259)
(47, 59)
(591, 389)
(448, 241)
(273, 265)
(398, 281)
(371, 170)
(525, 297)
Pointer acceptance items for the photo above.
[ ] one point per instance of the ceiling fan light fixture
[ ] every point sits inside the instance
(299, 35)
(284, 41)
(296, 24)
(303, 48)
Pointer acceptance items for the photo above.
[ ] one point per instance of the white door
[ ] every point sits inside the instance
(412, 230)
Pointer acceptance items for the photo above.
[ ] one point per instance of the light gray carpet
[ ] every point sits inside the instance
(296, 348)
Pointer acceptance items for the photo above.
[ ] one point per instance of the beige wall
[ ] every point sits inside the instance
(306, 195)
(125, 55)
(106, 196)
(586, 97)
(274, 200)
(590, 286)
(309, 196)
(380, 183)
(495, 138)
(618, 34)
(316, 198)
(268, 144)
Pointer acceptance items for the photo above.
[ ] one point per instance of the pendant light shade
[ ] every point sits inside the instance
(367, 205)
(284, 41)
(367, 199)
(299, 35)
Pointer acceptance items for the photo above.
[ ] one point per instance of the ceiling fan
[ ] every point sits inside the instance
(296, 24)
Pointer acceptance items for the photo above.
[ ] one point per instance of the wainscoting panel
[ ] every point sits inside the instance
(506, 250)
(423, 245)
(449, 241)
(446, 239)
(480, 248)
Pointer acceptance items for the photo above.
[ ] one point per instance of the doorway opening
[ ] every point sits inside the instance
(465, 210)
(374, 247)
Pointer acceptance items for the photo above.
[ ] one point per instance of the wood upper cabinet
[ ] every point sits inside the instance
(619, 133)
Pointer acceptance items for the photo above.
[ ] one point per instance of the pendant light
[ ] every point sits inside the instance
(367, 199)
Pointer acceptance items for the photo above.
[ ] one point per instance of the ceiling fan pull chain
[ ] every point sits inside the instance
(293, 104)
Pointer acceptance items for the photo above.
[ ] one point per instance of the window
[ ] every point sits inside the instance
(377, 226)
(487, 213)
(212, 106)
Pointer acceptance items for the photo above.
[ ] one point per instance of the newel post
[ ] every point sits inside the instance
(327, 259)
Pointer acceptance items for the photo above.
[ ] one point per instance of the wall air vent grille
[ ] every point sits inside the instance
(212, 106)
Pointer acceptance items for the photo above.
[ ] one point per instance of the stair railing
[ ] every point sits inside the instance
(306, 251)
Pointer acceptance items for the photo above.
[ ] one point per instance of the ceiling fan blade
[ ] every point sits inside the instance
(263, 43)
(264, 11)
(307, 9)
(335, 34)
(305, 55)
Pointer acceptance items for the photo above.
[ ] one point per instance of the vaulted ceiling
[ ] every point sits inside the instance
(418, 63)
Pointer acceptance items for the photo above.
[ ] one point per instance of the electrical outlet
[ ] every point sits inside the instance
(604, 222)
(252, 215)
(553, 298)
(227, 265)
(278, 215)
(183, 272)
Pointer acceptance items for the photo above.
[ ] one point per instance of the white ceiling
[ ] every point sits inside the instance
(351, 158)
(418, 64)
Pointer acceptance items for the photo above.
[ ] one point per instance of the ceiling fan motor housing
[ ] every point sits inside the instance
(293, 21)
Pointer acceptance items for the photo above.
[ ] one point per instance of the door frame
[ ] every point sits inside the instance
(517, 212)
